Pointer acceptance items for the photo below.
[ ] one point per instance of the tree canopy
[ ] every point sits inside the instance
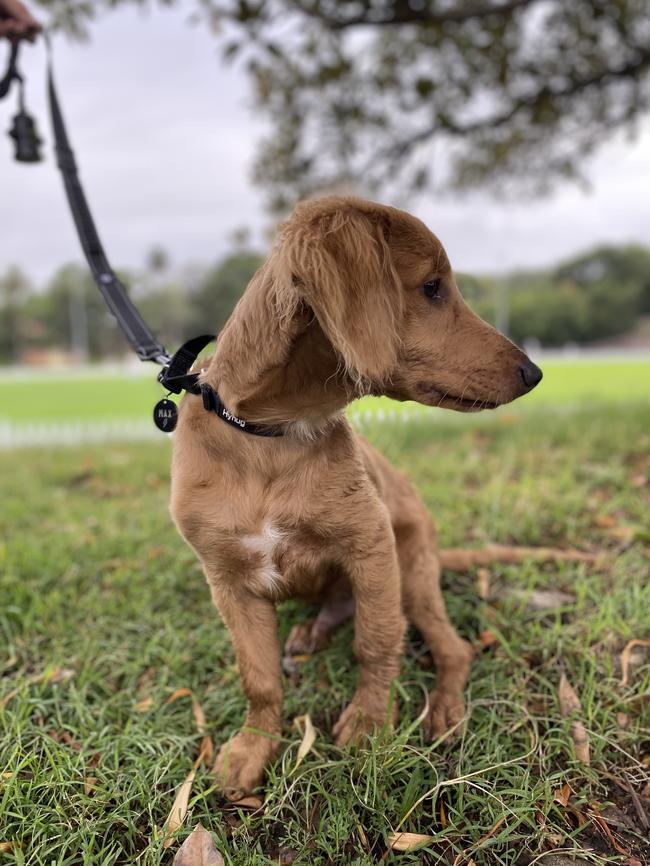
(506, 94)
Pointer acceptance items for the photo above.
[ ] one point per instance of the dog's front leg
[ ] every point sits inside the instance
(378, 633)
(252, 624)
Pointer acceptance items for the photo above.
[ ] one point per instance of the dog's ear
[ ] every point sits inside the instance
(339, 263)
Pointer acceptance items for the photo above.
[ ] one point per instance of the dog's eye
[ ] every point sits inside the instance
(431, 289)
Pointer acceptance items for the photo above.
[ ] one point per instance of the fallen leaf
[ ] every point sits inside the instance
(605, 521)
(90, 783)
(562, 795)
(605, 829)
(144, 705)
(407, 841)
(179, 808)
(626, 657)
(541, 599)
(487, 638)
(625, 534)
(623, 720)
(308, 737)
(179, 693)
(198, 850)
(362, 837)
(569, 701)
(5, 847)
(570, 704)
(483, 583)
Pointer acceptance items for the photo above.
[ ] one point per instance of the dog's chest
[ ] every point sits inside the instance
(281, 561)
(266, 545)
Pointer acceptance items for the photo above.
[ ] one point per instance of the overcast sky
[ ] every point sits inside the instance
(165, 136)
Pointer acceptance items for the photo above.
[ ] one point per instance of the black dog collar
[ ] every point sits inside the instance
(212, 403)
(175, 377)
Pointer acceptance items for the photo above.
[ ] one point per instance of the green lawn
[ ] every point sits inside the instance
(98, 397)
(98, 590)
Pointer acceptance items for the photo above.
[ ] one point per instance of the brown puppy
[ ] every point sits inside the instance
(355, 298)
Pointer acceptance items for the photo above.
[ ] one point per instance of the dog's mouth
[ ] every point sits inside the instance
(447, 400)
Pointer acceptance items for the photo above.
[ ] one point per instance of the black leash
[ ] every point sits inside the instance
(140, 338)
(175, 376)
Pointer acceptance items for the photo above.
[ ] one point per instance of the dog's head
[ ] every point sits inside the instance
(382, 290)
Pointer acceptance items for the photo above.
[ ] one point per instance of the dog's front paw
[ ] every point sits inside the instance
(361, 717)
(446, 713)
(241, 762)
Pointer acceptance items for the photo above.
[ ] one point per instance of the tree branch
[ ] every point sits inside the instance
(406, 15)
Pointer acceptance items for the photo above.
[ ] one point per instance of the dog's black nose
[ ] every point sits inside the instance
(530, 374)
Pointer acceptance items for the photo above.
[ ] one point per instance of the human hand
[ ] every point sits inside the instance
(16, 22)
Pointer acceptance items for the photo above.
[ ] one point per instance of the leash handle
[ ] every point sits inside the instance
(136, 331)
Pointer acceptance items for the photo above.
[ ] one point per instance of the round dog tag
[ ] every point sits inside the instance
(165, 415)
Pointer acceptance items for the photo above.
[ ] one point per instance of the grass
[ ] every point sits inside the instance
(101, 596)
(94, 396)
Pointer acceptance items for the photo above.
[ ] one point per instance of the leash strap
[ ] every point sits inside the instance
(12, 73)
(175, 375)
(143, 342)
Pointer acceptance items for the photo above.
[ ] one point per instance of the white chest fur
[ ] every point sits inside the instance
(265, 544)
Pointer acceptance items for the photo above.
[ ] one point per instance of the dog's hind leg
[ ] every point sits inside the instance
(424, 606)
(313, 635)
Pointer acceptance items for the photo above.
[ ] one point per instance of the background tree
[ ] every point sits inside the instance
(514, 94)
(221, 288)
(14, 291)
(616, 266)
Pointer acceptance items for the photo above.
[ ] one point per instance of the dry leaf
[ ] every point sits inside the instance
(623, 720)
(605, 521)
(624, 534)
(487, 638)
(569, 701)
(407, 841)
(362, 837)
(483, 583)
(198, 850)
(90, 783)
(562, 795)
(308, 737)
(179, 693)
(626, 657)
(570, 704)
(179, 809)
(581, 742)
(541, 599)
(5, 847)
(144, 705)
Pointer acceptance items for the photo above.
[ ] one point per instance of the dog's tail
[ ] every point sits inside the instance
(457, 559)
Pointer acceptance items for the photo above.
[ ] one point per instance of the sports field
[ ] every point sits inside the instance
(97, 396)
(106, 624)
